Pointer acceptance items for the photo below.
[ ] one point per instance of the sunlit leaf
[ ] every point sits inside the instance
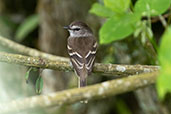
(101, 10)
(118, 6)
(151, 7)
(26, 27)
(164, 79)
(118, 28)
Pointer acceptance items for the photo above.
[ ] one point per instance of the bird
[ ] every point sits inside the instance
(82, 48)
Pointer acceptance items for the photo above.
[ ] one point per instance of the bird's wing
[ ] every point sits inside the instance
(82, 53)
(90, 57)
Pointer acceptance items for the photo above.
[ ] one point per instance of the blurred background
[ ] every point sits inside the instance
(39, 24)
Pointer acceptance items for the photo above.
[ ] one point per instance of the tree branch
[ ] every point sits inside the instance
(62, 63)
(27, 50)
(70, 96)
(107, 69)
(155, 19)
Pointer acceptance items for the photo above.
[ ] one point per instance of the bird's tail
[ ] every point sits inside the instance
(82, 82)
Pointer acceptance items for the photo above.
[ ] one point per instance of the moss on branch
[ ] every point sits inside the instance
(107, 69)
(49, 61)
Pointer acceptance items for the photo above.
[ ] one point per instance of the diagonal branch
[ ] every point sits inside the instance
(70, 96)
(27, 50)
(61, 63)
(107, 69)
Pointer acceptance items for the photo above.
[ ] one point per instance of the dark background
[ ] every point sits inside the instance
(49, 36)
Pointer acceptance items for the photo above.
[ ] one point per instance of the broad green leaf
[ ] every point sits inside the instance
(164, 79)
(165, 48)
(118, 28)
(39, 84)
(151, 7)
(163, 82)
(26, 27)
(101, 10)
(118, 6)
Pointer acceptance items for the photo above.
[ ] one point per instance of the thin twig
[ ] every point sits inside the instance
(155, 19)
(163, 21)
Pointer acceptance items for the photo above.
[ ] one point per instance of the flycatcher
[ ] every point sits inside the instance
(82, 47)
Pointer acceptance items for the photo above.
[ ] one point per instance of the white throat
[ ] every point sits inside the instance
(73, 34)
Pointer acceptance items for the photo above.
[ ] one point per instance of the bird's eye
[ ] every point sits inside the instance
(76, 29)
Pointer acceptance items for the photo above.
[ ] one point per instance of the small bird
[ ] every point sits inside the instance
(82, 47)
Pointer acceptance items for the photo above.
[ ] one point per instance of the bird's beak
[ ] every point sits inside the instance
(66, 27)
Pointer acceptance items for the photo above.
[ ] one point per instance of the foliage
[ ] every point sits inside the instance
(27, 74)
(117, 6)
(29, 24)
(151, 7)
(39, 84)
(163, 83)
(123, 22)
(101, 10)
(117, 28)
(39, 81)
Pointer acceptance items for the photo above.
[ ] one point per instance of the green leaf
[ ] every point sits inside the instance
(101, 10)
(26, 27)
(164, 79)
(118, 28)
(151, 7)
(39, 84)
(164, 51)
(118, 6)
(27, 74)
(163, 82)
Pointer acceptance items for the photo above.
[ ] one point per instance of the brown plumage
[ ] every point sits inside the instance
(78, 45)
(82, 48)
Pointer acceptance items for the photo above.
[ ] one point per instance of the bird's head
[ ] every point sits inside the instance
(79, 29)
